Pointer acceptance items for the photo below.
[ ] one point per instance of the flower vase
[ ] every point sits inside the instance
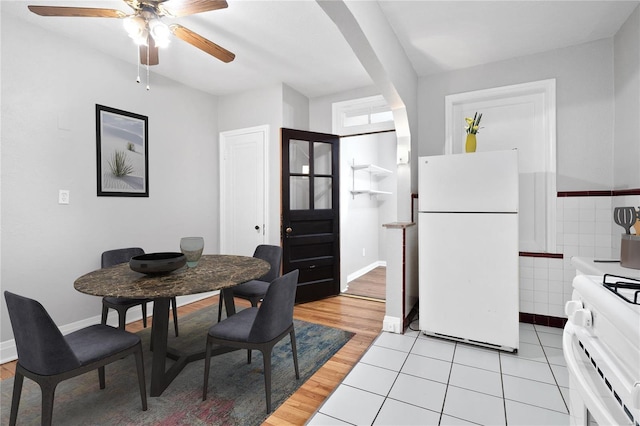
(470, 145)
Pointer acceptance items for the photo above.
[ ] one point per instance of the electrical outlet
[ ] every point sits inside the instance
(63, 196)
(363, 252)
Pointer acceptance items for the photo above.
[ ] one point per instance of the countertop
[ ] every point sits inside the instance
(589, 266)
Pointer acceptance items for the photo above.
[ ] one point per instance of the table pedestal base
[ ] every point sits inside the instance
(161, 378)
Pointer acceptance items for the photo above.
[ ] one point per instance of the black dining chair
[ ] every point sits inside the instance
(47, 357)
(122, 304)
(254, 290)
(259, 328)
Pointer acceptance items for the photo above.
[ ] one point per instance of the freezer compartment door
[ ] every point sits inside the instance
(469, 277)
(477, 182)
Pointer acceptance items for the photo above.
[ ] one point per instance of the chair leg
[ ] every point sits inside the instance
(174, 302)
(295, 352)
(48, 392)
(105, 311)
(122, 319)
(15, 399)
(101, 377)
(220, 305)
(144, 314)
(207, 364)
(141, 382)
(266, 356)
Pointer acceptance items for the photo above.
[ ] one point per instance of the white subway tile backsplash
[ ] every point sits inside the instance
(572, 202)
(526, 284)
(587, 251)
(586, 203)
(526, 296)
(603, 203)
(587, 239)
(526, 261)
(571, 239)
(541, 273)
(540, 297)
(541, 308)
(525, 271)
(541, 284)
(556, 310)
(571, 227)
(556, 274)
(587, 215)
(584, 227)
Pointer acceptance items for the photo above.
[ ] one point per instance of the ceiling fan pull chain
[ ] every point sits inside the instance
(138, 78)
(148, 49)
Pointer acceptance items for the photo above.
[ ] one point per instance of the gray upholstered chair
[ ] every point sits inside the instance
(47, 357)
(259, 328)
(122, 304)
(254, 290)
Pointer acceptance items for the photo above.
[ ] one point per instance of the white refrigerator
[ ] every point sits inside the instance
(468, 248)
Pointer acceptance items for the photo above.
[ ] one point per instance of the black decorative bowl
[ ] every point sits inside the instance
(157, 263)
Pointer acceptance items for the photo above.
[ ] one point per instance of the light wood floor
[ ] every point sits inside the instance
(372, 284)
(360, 316)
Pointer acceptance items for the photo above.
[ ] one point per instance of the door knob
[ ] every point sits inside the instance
(257, 228)
(288, 230)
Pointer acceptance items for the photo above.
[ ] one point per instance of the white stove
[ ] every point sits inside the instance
(601, 345)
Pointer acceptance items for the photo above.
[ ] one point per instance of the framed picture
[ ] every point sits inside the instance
(122, 153)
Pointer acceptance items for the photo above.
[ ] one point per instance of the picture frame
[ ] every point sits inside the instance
(122, 150)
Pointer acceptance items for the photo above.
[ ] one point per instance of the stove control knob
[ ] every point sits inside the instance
(581, 317)
(572, 306)
(635, 396)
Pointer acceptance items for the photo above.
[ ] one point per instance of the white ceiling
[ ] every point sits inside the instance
(296, 43)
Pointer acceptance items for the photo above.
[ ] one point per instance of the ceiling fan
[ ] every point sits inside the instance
(146, 28)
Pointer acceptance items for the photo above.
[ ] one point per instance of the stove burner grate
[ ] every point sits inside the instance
(615, 284)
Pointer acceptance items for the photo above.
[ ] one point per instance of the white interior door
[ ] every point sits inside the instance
(243, 191)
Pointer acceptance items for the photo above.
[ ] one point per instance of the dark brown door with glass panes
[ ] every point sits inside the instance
(310, 212)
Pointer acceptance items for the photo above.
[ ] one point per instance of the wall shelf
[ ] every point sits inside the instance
(374, 172)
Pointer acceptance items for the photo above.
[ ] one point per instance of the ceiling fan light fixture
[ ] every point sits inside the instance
(136, 28)
(160, 32)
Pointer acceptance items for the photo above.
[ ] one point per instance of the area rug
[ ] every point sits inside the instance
(236, 389)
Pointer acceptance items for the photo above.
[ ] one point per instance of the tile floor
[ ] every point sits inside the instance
(413, 379)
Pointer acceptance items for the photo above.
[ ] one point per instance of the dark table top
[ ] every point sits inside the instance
(213, 272)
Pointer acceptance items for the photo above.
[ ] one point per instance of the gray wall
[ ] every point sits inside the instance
(626, 156)
(584, 99)
(49, 143)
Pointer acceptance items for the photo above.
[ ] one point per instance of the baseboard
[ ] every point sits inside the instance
(360, 272)
(9, 353)
(392, 324)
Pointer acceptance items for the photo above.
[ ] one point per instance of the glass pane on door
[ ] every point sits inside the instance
(322, 158)
(322, 193)
(299, 157)
(299, 193)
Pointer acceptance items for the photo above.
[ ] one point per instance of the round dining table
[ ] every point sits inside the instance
(213, 272)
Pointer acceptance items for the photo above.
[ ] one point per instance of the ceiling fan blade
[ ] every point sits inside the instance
(202, 43)
(84, 12)
(153, 53)
(177, 8)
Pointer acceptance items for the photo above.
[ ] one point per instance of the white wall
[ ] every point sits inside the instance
(626, 156)
(295, 109)
(320, 108)
(585, 108)
(50, 86)
(362, 216)
(256, 108)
